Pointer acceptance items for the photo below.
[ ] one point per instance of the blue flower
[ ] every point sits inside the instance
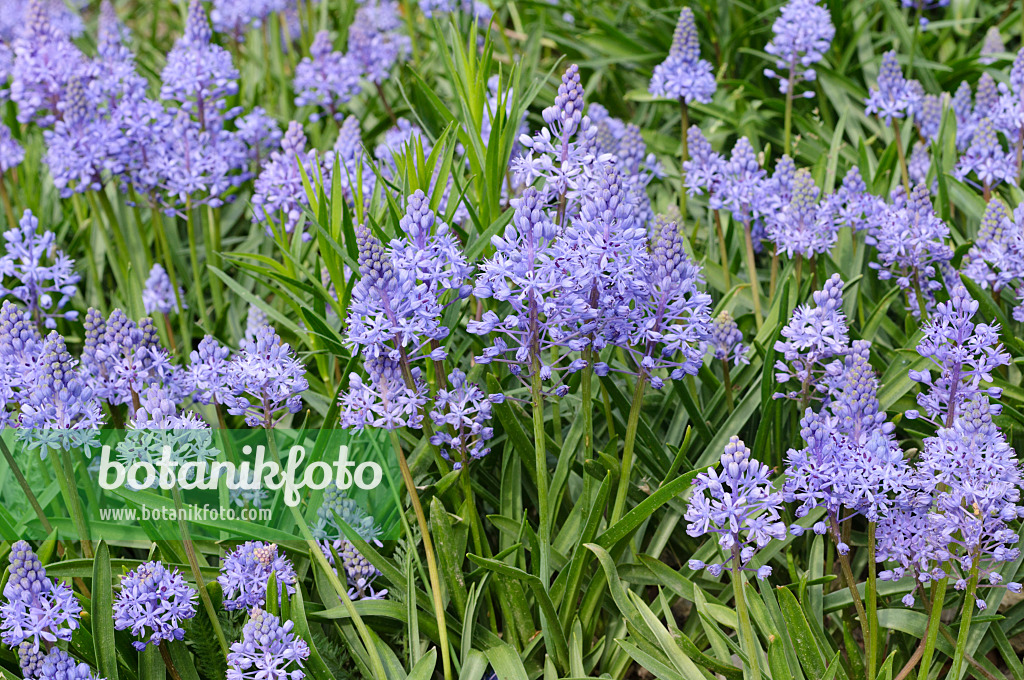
(268, 649)
(894, 97)
(38, 610)
(153, 602)
(326, 79)
(246, 570)
(802, 35)
(684, 75)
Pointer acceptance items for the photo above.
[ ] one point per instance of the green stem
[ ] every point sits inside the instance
(626, 466)
(317, 555)
(722, 252)
(903, 156)
(871, 595)
(587, 395)
(755, 283)
(165, 654)
(683, 157)
(193, 253)
(428, 549)
(965, 621)
(727, 385)
(213, 260)
(6, 200)
(539, 443)
(23, 483)
(788, 121)
(197, 574)
(934, 621)
(851, 583)
(913, 41)
(69, 489)
(752, 669)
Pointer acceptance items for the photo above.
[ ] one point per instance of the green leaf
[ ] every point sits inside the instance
(800, 632)
(103, 613)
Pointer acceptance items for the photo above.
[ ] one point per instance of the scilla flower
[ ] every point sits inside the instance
(245, 573)
(268, 650)
(37, 609)
(803, 33)
(44, 278)
(153, 603)
(159, 295)
(894, 97)
(684, 75)
(740, 505)
(268, 378)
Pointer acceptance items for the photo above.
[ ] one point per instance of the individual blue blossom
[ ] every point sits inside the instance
(986, 158)
(199, 74)
(350, 161)
(963, 110)
(21, 355)
(260, 133)
(237, 17)
(919, 165)
(740, 505)
(562, 153)
(385, 400)
(80, 146)
(45, 61)
(911, 244)
(11, 153)
(255, 319)
(374, 40)
(58, 665)
(928, 117)
(992, 46)
(45, 279)
(994, 259)
(37, 609)
(704, 167)
(338, 508)
(198, 163)
(460, 415)
(266, 369)
(391, 311)
(358, 571)
(802, 34)
(894, 97)
(852, 206)
(964, 351)
(673, 320)
(326, 79)
(684, 75)
(803, 227)
(524, 275)
(159, 295)
(122, 358)
(247, 569)
(744, 184)
(279, 195)
(62, 408)
(603, 252)
(207, 372)
(726, 340)
(30, 659)
(815, 335)
(153, 602)
(430, 252)
(269, 649)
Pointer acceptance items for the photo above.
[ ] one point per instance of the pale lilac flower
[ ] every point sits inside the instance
(684, 75)
(11, 153)
(279, 195)
(726, 340)
(813, 338)
(803, 227)
(237, 17)
(374, 40)
(461, 414)
(802, 34)
(986, 158)
(266, 370)
(46, 279)
(326, 79)
(246, 571)
(37, 609)
(58, 665)
(358, 571)
(894, 97)
(268, 650)
(159, 295)
(740, 505)
(153, 602)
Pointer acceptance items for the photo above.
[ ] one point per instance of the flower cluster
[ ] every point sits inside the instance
(326, 79)
(44, 277)
(726, 340)
(802, 35)
(359, 572)
(159, 295)
(894, 97)
(279, 195)
(814, 337)
(684, 75)
(266, 370)
(740, 505)
(460, 415)
(37, 610)
(153, 603)
(246, 571)
(268, 649)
